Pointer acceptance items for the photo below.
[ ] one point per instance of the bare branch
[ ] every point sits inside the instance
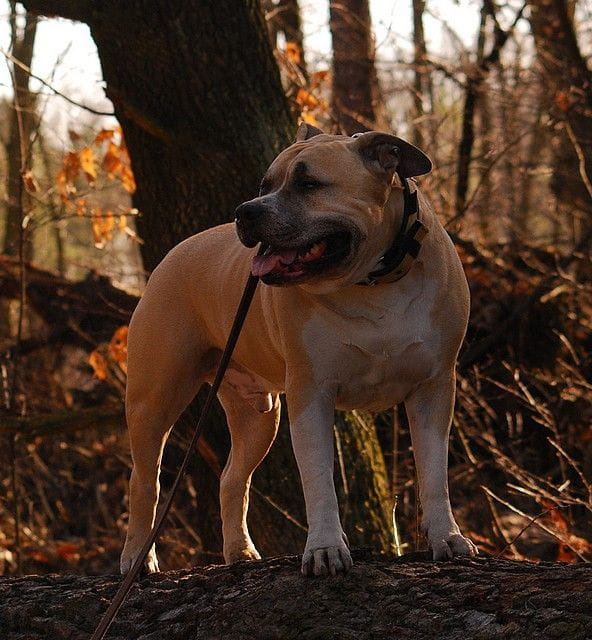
(27, 69)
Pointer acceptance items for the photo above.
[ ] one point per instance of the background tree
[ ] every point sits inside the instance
(569, 83)
(422, 85)
(22, 121)
(356, 98)
(474, 82)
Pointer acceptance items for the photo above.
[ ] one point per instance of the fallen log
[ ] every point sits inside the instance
(403, 598)
(60, 422)
(85, 312)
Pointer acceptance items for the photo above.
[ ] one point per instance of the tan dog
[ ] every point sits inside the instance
(329, 209)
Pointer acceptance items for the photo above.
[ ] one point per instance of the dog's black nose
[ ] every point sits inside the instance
(248, 212)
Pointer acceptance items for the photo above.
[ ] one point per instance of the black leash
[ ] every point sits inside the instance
(124, 588)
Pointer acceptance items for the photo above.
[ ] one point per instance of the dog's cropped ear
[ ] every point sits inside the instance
(306, 131)
(385, 154)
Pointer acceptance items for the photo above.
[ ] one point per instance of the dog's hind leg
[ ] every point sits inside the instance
(252, 431)
(163, 377)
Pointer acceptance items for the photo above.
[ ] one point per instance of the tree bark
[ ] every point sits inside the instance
(379, 599)
(421, 75)
(569, 85)
(202, 122)
(356, 94)
(21, 125)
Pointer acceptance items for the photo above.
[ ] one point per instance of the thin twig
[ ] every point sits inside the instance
(25, 68)
(533, 520)
(581, 158)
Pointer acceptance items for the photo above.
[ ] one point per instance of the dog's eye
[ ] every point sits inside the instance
(308, 184)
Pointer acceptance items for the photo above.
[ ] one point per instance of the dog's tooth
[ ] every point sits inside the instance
(317, 249)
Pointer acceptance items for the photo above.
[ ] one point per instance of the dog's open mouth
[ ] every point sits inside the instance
(278, 265)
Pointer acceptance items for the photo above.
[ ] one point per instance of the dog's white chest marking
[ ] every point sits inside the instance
(373, 363)
(376, 382)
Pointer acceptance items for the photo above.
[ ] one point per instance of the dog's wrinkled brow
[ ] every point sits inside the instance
(299, 172)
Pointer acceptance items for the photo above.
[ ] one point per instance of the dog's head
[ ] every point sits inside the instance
(322, 208)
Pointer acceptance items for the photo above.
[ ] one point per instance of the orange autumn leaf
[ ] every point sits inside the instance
(317, 78)
(69, 552)
(30, 182)
(293, 52)
(39, 556)
(95, 225)
(127, 179)
(305, 99)
(555, 516)
(98, 364)
(112, 160)
(309, 118)
(104, 134)
(118, 347)
(565, 554)
(562, 101)
(71, 166)
(122, 144)
(87, 163)
(80, 207)
(102, 225)
(63, 186)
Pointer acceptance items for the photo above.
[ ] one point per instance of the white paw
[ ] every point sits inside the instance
(450, 545)
(128, 558)
(321, 560)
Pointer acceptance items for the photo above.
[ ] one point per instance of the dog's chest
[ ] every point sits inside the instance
(373, 364)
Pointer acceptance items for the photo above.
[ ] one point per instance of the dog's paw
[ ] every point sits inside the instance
(325, 560)
(454, 544)
(128, 558)
(236, 555)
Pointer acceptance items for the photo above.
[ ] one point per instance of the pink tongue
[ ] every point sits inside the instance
(262, 265)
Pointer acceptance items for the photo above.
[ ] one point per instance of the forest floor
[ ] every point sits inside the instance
(382, 597)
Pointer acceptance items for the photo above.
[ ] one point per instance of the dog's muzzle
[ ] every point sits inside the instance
(246, 217)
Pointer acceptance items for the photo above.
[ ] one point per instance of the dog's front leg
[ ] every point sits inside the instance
(430, 413)
(311, 427)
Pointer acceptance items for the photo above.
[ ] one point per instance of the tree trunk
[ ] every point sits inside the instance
(284, 18)
(21, 126)
(421, 75)
(467, 137)
(475, 80)
(569, 85)
(202, 122)
(356, 94)
(380, 599)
